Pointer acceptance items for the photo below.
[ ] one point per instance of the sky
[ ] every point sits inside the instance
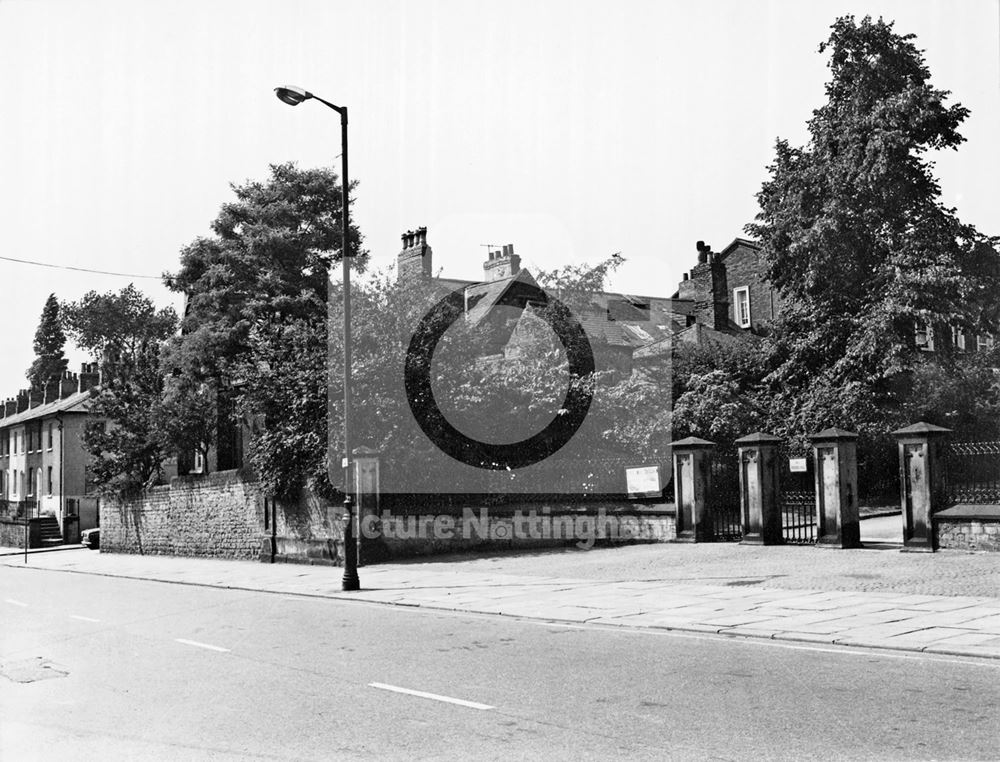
(571, 130)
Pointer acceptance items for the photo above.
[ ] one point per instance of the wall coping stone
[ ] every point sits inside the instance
(969, 511)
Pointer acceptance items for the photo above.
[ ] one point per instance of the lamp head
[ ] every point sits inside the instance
(293, 96)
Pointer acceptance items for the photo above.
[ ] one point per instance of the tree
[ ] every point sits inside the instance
(853, 232)
(124, 331)
(49, 343)
(267, 262)
(117, 327)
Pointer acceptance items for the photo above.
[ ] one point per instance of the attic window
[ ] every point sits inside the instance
(741, 300)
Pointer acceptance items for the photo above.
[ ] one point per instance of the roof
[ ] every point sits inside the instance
(481, 298)
(737, 242)
(74, 403)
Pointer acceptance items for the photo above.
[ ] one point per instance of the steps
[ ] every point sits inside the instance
(50, 531)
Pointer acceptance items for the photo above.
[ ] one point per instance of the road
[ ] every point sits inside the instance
(150, 670)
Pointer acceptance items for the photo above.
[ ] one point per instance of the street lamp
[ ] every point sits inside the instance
(293, 96)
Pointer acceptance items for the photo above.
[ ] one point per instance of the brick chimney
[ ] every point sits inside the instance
(22, 400)
(35, 396)
(502, 264)
(414, 260)
(68, 384)
(9, 406)
(707, 288)
(90, 376)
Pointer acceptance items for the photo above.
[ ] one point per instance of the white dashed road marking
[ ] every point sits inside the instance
(83, 618)
(202, 645)
(434, 696)
(15, 603)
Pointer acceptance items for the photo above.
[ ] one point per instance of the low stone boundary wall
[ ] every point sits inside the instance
(12, 533)
(218, 514)
(224, 515)
(517, 526)
(968, 527)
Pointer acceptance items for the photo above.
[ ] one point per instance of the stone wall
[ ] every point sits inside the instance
(212, 515)
(12, 533)
(513, 527)
(968, 528)
(225, 516)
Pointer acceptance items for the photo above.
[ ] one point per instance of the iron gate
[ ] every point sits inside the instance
(724, 496)
(797, 494)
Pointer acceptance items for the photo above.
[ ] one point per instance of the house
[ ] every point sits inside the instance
(720, 300)
(43, 464)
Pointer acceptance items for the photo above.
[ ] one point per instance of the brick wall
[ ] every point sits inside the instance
(217, 514)
(743, 268)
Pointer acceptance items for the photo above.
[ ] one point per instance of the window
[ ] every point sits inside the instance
(957, 337)
(13, 483)
(31, 480)
(924, 337)
(50, 436)
(199, 462)
(13, 440)
(984, 343)
(48, 482)
(741, 302)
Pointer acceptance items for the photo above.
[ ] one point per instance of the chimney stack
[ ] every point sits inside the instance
(51, 390)
(22, 401)
(9, 407)
(68, 384)
(707, 287)
(90, 376)
(414, 261)
(502, 264)
(35, 396)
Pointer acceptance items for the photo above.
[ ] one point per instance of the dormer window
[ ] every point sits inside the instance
(741, 306)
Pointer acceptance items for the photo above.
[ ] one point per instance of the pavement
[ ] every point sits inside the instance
(874, 597)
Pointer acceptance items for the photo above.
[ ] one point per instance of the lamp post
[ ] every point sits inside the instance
(293, 96)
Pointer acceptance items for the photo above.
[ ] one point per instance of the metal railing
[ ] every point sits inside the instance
(19, 509)
(972, 472)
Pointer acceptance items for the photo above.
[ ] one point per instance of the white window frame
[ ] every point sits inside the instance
(984, 342)
(741, 321)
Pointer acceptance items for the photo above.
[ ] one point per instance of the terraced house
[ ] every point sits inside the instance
(43, 465)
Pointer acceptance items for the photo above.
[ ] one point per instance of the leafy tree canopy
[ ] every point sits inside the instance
(854, 234)
(268, 258)
(116, 327)
(125, 331)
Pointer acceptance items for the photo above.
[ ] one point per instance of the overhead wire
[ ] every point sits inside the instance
(78, 269)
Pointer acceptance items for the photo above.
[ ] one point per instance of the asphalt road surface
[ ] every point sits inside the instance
(102, 668)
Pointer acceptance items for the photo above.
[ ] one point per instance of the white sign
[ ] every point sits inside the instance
(797, 465)
(643, 481)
